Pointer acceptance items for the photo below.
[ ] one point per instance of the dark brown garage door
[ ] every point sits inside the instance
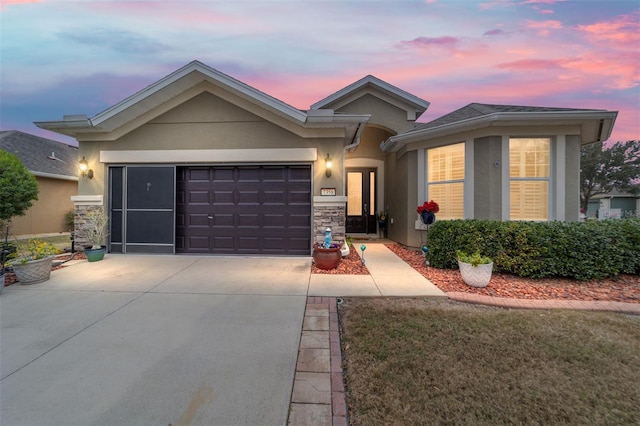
(244, 210)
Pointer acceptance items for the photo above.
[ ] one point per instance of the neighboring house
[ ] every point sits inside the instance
(199, 162)
(629, 204)
(55, 166)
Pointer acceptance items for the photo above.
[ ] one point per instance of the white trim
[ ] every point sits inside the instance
(469, 180)
(54, 176)
(210, 155)
(506, 180)
(558, 182)
(422, 175)
(87, 200)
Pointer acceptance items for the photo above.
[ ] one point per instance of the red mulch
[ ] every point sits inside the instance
(350, 265)
(10, 277)
(623, 288)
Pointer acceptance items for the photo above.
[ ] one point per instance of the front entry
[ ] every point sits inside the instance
(361, 201)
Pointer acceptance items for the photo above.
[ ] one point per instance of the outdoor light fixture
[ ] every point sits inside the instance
(327, 165)
(85, 171)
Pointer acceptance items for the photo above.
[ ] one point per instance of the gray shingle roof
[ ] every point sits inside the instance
(41, 155)
(474, 110)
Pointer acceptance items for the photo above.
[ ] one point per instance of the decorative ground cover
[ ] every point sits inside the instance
(623, 288)
(350, 265)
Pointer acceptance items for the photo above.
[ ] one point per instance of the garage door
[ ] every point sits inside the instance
(244, 210)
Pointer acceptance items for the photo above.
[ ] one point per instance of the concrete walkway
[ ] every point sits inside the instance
(389, 276)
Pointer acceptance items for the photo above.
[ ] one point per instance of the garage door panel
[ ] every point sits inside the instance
(255, 209)
(199, 197)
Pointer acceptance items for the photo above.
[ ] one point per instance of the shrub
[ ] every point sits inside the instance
(18, 187)
(581, 250)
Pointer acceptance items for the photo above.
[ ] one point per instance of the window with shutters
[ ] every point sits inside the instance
(529, 177)
(445, 180)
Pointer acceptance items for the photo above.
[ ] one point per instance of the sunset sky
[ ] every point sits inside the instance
(80, 57)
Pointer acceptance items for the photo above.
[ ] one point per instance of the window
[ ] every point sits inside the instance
(529, 172)
(445, 180)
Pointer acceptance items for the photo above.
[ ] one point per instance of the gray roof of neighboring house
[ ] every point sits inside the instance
(43, 157)
(474, 110)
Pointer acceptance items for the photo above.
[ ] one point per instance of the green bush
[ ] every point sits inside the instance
(581, 250)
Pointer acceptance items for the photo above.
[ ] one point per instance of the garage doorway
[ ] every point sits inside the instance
(253, 209)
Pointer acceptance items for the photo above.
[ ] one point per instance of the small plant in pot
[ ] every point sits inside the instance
(32, 264)
(94, 230)
(475, 269)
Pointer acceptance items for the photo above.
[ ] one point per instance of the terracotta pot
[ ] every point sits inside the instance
(327, 258)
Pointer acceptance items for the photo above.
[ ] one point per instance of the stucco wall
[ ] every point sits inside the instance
(382, 113)
(572, 176)
(46, 215)
(487, 178)
(209, 122)
(369, 146)
(400, 192)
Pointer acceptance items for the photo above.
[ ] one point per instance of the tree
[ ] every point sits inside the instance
(18, 187)
(603, 169)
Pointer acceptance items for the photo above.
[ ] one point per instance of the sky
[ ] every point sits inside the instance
(60, 57)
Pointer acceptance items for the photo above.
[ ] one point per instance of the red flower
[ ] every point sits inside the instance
(429, 207)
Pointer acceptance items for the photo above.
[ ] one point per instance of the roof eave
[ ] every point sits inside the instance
(394, 143)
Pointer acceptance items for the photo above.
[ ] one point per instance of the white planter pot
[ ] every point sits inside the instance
(34, 271)
(476, 276)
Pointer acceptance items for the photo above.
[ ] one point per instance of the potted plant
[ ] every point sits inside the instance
(32, 264)
(95, 232)
(475, 269)
(427, 212)
(382, 222)
(327, 257)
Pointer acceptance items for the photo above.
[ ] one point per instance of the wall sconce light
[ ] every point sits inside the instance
(85, 171)
(328, 164)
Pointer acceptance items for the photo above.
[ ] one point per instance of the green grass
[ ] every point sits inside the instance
(413, 361)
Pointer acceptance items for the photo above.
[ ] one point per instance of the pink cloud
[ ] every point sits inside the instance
(623, 32)
(544, 27)
(542, 1)
(543, 11)
(532, 64)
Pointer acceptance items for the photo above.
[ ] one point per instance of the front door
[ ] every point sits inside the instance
(361, 201)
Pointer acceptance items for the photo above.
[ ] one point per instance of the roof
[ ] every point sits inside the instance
(42, 157)
(371, 84)
(171, 86)
(596, 124)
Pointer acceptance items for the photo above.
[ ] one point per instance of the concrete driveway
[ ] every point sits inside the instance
(154, 340)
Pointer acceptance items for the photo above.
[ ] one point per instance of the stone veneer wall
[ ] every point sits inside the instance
(329, 216)
(80, 223)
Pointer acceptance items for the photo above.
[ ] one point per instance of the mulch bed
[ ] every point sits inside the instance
(10, 277)
(623, 288)
(350, 265)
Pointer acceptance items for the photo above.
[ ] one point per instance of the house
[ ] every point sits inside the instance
(55, 165)
(624, 203)
(200, 162)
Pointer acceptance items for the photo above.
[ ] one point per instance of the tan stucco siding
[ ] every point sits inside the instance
(369, 146)
(400, 191)
(210, 122)
(572, 178)
(382, 113)
(46, 215)
(487, 178)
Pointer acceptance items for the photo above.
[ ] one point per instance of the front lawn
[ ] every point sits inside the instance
(433, 361)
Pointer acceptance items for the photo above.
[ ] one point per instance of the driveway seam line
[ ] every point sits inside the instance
(73, 335)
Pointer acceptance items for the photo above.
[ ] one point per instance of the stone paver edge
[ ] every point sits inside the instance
(609, 306)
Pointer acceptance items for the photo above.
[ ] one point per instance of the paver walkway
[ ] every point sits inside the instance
(318, 388)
